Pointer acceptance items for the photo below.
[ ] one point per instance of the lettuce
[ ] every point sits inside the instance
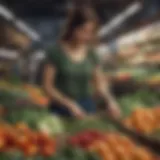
(51, 124)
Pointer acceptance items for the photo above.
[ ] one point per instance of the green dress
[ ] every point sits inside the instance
(73, 79)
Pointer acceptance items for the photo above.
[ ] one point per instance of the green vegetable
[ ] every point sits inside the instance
(143, 98)
(74, 154)
(92, 156)
(51, 124)
(75, 126)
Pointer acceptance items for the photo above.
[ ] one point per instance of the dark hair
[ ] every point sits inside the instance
(77, 18)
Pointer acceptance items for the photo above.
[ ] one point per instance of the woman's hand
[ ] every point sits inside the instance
(77, 111)
(114, 110)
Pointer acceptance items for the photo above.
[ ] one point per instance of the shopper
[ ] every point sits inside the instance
(70, 66)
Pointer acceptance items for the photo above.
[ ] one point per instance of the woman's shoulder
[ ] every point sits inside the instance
(53, 54)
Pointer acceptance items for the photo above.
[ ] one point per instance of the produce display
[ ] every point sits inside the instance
(145, 75)
(110, 145)
(144, 120)
(129, 80)
(87, 138)
(140, 99)
(155, 80)
(22, 94)
(37, 119)
(36, 95)
(118, 147)
(29, 132)
(19, 138)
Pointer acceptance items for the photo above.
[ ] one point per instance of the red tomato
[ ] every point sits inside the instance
(11, 139)
(42, 138)
(86, 140)
(2, 143)
(22, 141)
(47, 150)
(73, 141)
(30, 150)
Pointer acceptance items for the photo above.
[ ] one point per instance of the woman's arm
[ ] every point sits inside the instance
(102, 89)
(55, 94)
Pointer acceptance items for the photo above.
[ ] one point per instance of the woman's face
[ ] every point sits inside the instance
(85, 33)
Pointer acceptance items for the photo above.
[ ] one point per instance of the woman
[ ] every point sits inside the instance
(70, 67)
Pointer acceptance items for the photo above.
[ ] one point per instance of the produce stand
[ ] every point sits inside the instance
(91, 138)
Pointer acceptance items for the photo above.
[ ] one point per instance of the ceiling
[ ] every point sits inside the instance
(106, 9)
(59, 7)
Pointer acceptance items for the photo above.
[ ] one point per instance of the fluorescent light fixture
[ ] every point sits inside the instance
(23, 27)
(118, 20)
(9, 54)
(139, 35)
(6, 13)
(133, 8)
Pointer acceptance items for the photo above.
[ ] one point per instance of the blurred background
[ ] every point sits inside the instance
(129, 49)
(129, 32)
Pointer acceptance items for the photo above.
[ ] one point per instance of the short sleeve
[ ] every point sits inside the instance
(95, 58)
(52, 56)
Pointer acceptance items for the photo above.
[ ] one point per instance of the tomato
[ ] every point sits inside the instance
(33, 137)
(23, 127)
(2, 143)
(85, 140)
(95, 134)
(47, 150)
(22, 141)
(11, 139)
(42, 138)
(30, 150)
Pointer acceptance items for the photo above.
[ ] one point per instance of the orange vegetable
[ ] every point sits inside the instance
(30, 150)
(48, 150)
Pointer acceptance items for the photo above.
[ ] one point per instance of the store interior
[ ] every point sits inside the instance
(129, 52)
